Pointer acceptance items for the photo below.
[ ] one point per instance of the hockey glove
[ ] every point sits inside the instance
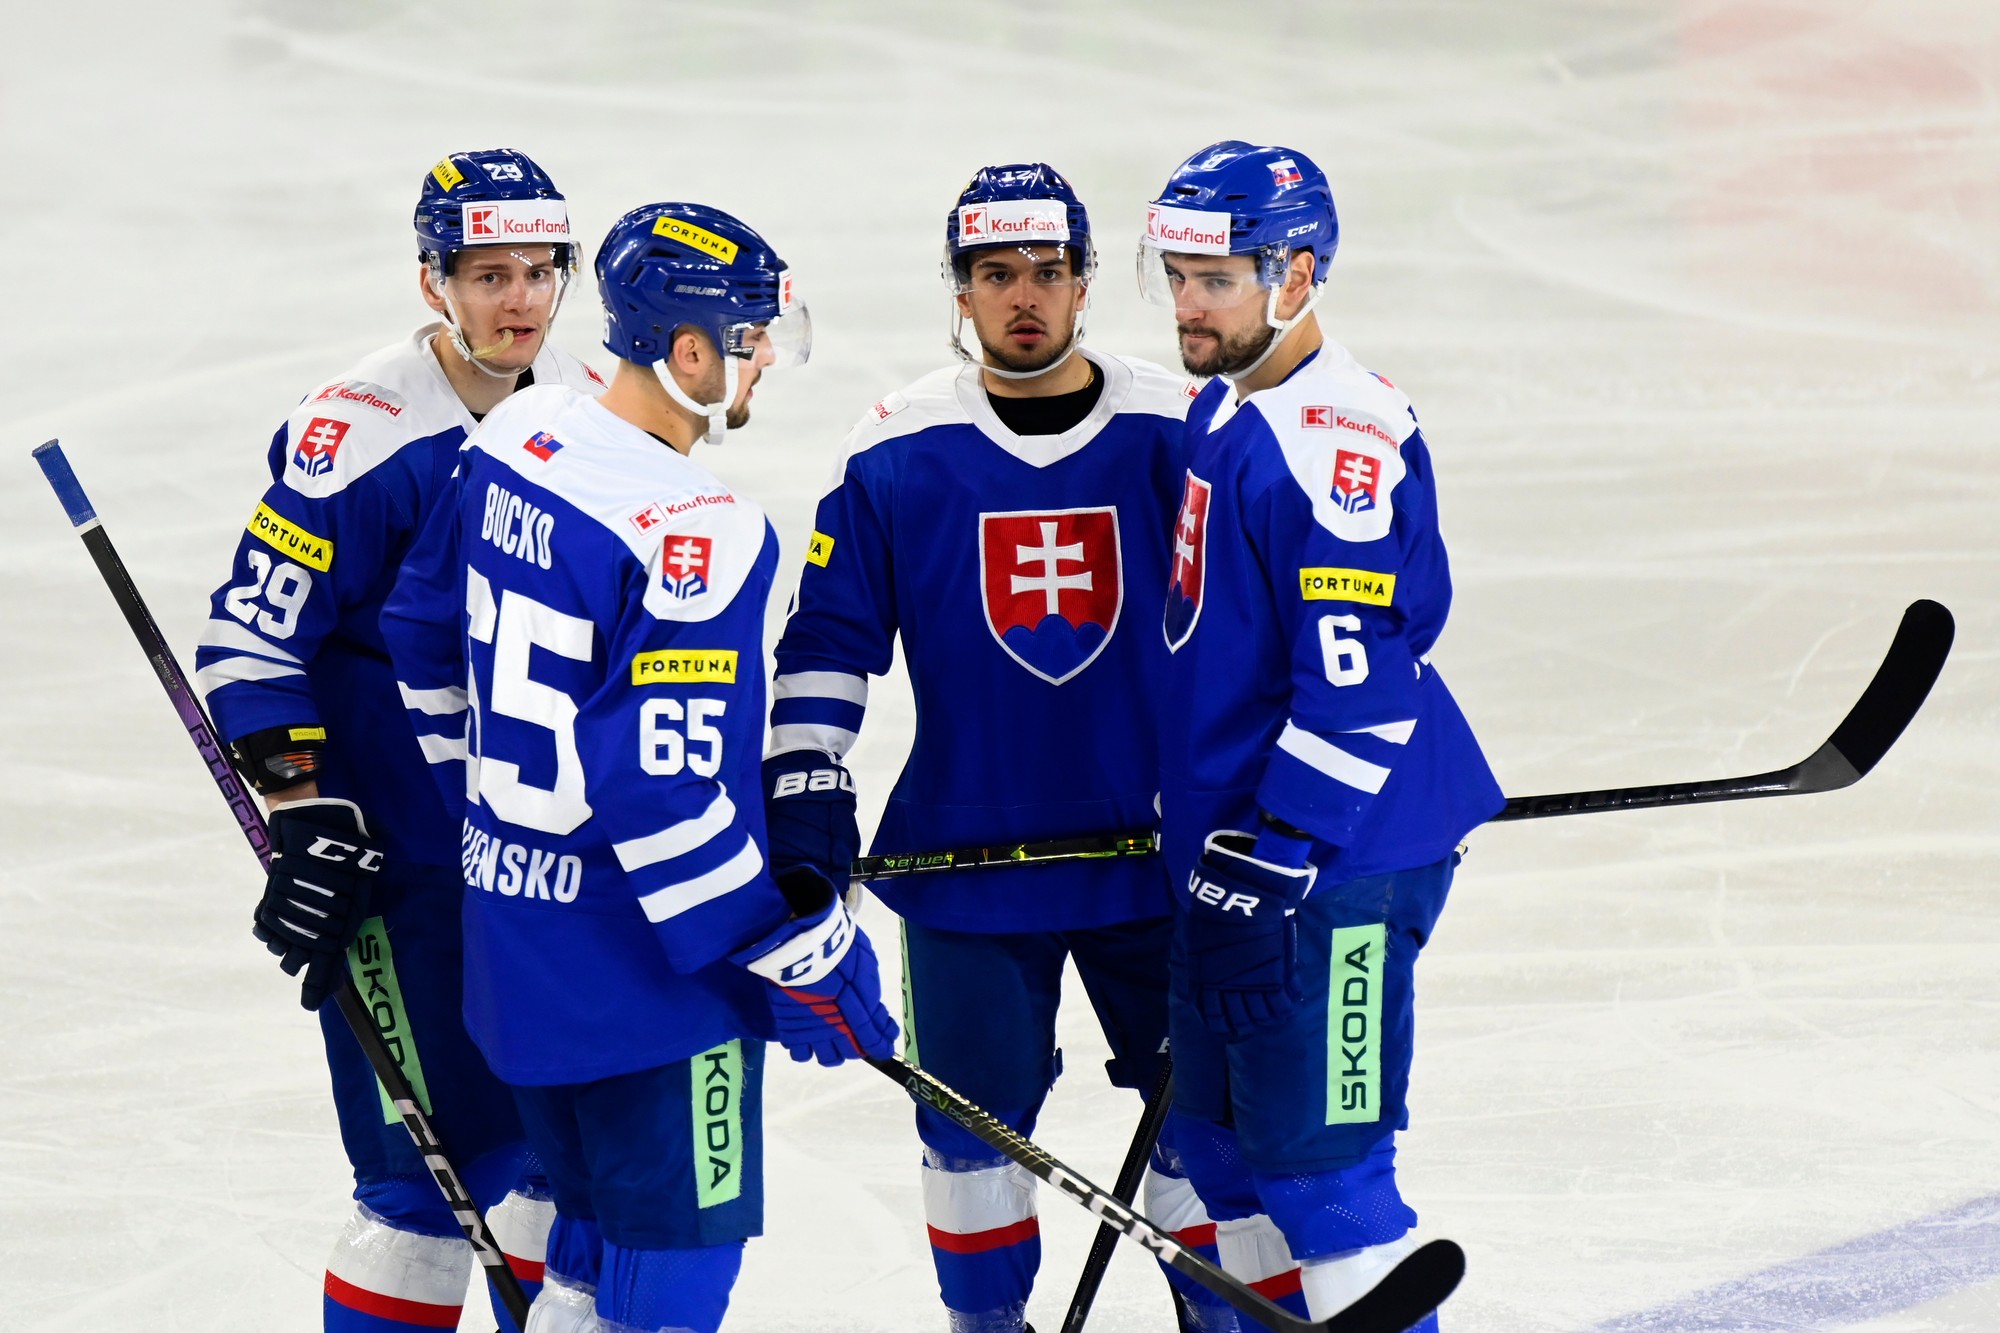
(322, 867)
(1240, 940)
(826, 988)
(809, 814)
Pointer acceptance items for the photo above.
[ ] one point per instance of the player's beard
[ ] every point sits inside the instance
(1028, 362)
(737, 417)
(1233, 351)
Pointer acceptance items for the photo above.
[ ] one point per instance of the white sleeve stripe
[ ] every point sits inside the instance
(232, 669)
(835, 741)
(677, 839)
(442, 749)
(821, 685)
(437, 703)
(738, 870)
(1331, 760)
(228, 634)
(1396, 733)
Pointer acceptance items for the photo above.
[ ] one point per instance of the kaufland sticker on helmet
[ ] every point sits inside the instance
(696, 238)
(786, 297)
(1012, 220)
(1189, 230)
(515, 221)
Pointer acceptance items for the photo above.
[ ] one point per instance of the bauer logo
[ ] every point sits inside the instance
(1192, 230)
(684, 565)
(696, 238)
(1019, 220)
(516, 221)
(1347, 585)
(681, 666)
(1356, 480)
(319, 442)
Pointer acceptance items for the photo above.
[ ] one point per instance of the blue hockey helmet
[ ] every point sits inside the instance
(1020, 203)
(1234, 198)
(491, 196)
(668, 267)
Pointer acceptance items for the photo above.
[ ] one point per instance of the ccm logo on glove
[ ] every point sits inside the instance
(1217, 896)
(819, 779)
(340, 853)
(814, 965)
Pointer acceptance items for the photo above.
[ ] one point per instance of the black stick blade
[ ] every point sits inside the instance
(1411, 1290)
(1899, 689)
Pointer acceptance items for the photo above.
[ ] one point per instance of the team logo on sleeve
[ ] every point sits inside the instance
(318, 443)
(1356, 479)
(684, 566)
(1190, 562)
(1052, 582)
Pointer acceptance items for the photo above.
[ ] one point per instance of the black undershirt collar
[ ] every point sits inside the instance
(1053, 415)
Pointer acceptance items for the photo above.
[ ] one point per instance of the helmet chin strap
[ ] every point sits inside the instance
(1279, 327)
(985, 362)
(477, 356)
(717, 412)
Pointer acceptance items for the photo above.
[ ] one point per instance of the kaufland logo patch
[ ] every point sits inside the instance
(368, 395)
(648, 518)
(786, 296)
(516, 220)
(1191, 230)
(1021, 220)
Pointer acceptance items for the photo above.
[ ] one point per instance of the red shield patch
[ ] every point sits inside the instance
(1052, 582)
(684, 566)
(1190, 562)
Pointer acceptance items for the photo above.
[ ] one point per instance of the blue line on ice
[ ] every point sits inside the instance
(1857, 1280)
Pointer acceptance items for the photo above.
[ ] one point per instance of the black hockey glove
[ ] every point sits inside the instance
(809, 815)
(322, 867)
(1239, 938)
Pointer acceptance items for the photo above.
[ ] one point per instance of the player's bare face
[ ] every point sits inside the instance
(503, 301)
(1219, 311)
(749, 369)
(1022, 303)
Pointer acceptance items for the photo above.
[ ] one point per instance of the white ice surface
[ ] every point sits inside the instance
(1697, 302)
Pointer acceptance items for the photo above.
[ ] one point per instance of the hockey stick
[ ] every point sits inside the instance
(1878, 719)
(1126, 1189)
(1915, 657)
(1411, 1290)
(352, 1007)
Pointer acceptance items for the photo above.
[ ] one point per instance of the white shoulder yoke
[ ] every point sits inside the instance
(697, 539)
(1341, 430)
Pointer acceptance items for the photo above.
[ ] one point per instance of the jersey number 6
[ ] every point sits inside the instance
(1346, 659)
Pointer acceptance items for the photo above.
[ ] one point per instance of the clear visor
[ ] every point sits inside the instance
(1206, 282)
(1001, 267)
(773, 344)
(489, 278)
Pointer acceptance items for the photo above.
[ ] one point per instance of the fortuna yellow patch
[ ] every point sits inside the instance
(307, 733)
(1346, 585)
(269, 527)
(682, 666)
(674, 229)
(820, 549)
(447, 175)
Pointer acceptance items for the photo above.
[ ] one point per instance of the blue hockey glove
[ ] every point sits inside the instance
(316, 896)
(809, 814)
(826, 987)
(1241, 943)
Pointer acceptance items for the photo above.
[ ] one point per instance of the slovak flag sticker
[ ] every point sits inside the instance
(543, 445)
(317, 446)
(1184, 582)
(1052, 585)
(1285, 172)
(1356, 479)
(684, 565)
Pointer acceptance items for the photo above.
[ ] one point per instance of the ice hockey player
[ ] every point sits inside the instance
(1316, 773)
(1002, 516)
(293, 667)
(594, 604)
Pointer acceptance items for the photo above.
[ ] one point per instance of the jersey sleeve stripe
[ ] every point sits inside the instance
(677, 839)
(227, 634)
(740, 869)
(442, 749)
(821, 685)
(435, 703)
(233, 669)
(1330, 759)
(829, 712)
(832, 740)
(1396, 733)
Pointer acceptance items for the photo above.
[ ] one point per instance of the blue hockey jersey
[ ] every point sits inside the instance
(581, 633)
(1020, 572)
(1309, 584)
(292, 637)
